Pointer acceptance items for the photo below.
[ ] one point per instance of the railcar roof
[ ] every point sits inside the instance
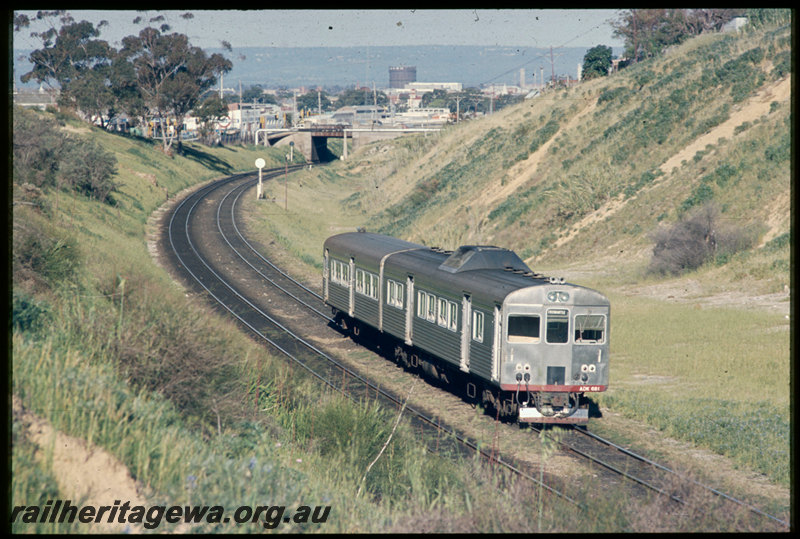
(490, 273)
(490, 284)
(368, 245)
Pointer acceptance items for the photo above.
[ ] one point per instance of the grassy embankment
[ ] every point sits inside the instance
(108, 350)
(588, 166)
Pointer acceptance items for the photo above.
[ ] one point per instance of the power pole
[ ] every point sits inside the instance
(552, 66)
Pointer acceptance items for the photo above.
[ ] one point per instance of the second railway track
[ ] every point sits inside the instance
(204, 241)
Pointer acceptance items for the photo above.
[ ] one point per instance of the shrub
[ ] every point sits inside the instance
(29, 314)
(779, 242)
(694, 240)
(43, 155)
(36, 149)
(44, 253)
(89, 169)
(700, 195)
(621, 93)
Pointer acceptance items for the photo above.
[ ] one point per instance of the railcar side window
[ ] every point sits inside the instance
(557, 326)
(590, 328)
(394, 294)
(447, 314)
(477, 326)
(367, 283)
(426, 306)
(437, 310)
(442, 318)
(524, 329)
(340, 273)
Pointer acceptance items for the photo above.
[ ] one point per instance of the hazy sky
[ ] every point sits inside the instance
(538, 28)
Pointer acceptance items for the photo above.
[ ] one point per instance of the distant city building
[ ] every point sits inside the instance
(400, 76)
(360, 115)
(39, 99)
(422, 87)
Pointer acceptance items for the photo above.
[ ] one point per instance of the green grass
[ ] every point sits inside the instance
(109, 350)
(718, 378)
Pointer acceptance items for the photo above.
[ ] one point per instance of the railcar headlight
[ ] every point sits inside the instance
(592, 367)
(584, 367)
(555, 296)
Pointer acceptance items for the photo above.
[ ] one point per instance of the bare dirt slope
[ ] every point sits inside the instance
(751, 110)
(86, 474)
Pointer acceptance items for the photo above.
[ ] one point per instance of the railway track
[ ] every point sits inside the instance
(207, 255)
(193, 253)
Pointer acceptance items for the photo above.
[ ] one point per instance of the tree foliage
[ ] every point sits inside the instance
(314, 100)
(211, 110)
(171, 74)
(156, 74)
(647, 32)
(256, 93)
(596, 62)
(354, 97)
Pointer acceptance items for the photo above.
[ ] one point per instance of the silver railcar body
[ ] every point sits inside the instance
(537, 342)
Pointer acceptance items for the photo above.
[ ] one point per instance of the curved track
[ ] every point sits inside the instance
(205, 242)
(205, 255)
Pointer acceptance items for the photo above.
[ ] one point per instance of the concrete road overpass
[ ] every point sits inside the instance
(312, 141)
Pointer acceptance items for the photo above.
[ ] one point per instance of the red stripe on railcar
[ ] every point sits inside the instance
(554, 388)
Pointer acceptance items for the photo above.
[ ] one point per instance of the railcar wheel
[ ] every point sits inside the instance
(400, 356)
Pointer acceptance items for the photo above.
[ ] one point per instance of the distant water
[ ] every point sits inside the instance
(347, 66)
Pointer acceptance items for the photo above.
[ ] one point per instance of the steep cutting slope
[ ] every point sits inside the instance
(591, 171)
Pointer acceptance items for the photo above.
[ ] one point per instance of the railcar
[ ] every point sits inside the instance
(528, 345)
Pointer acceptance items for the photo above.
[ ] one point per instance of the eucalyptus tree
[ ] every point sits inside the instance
(647, 32)
(74, 61)
(171, 75)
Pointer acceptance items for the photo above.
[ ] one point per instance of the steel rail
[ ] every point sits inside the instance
(607, 465)
(240, 190)
(665, 469)
(378, 390)
(264, 259)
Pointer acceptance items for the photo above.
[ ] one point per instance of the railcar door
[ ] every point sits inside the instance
(352, 310)
(466, 332)
(496, 345)
(410, 310)
(325, 274)
(558, 361)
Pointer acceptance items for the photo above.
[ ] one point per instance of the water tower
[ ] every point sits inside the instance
(399, 76)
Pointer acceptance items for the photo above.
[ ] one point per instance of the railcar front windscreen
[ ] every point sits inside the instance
(523, 329)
